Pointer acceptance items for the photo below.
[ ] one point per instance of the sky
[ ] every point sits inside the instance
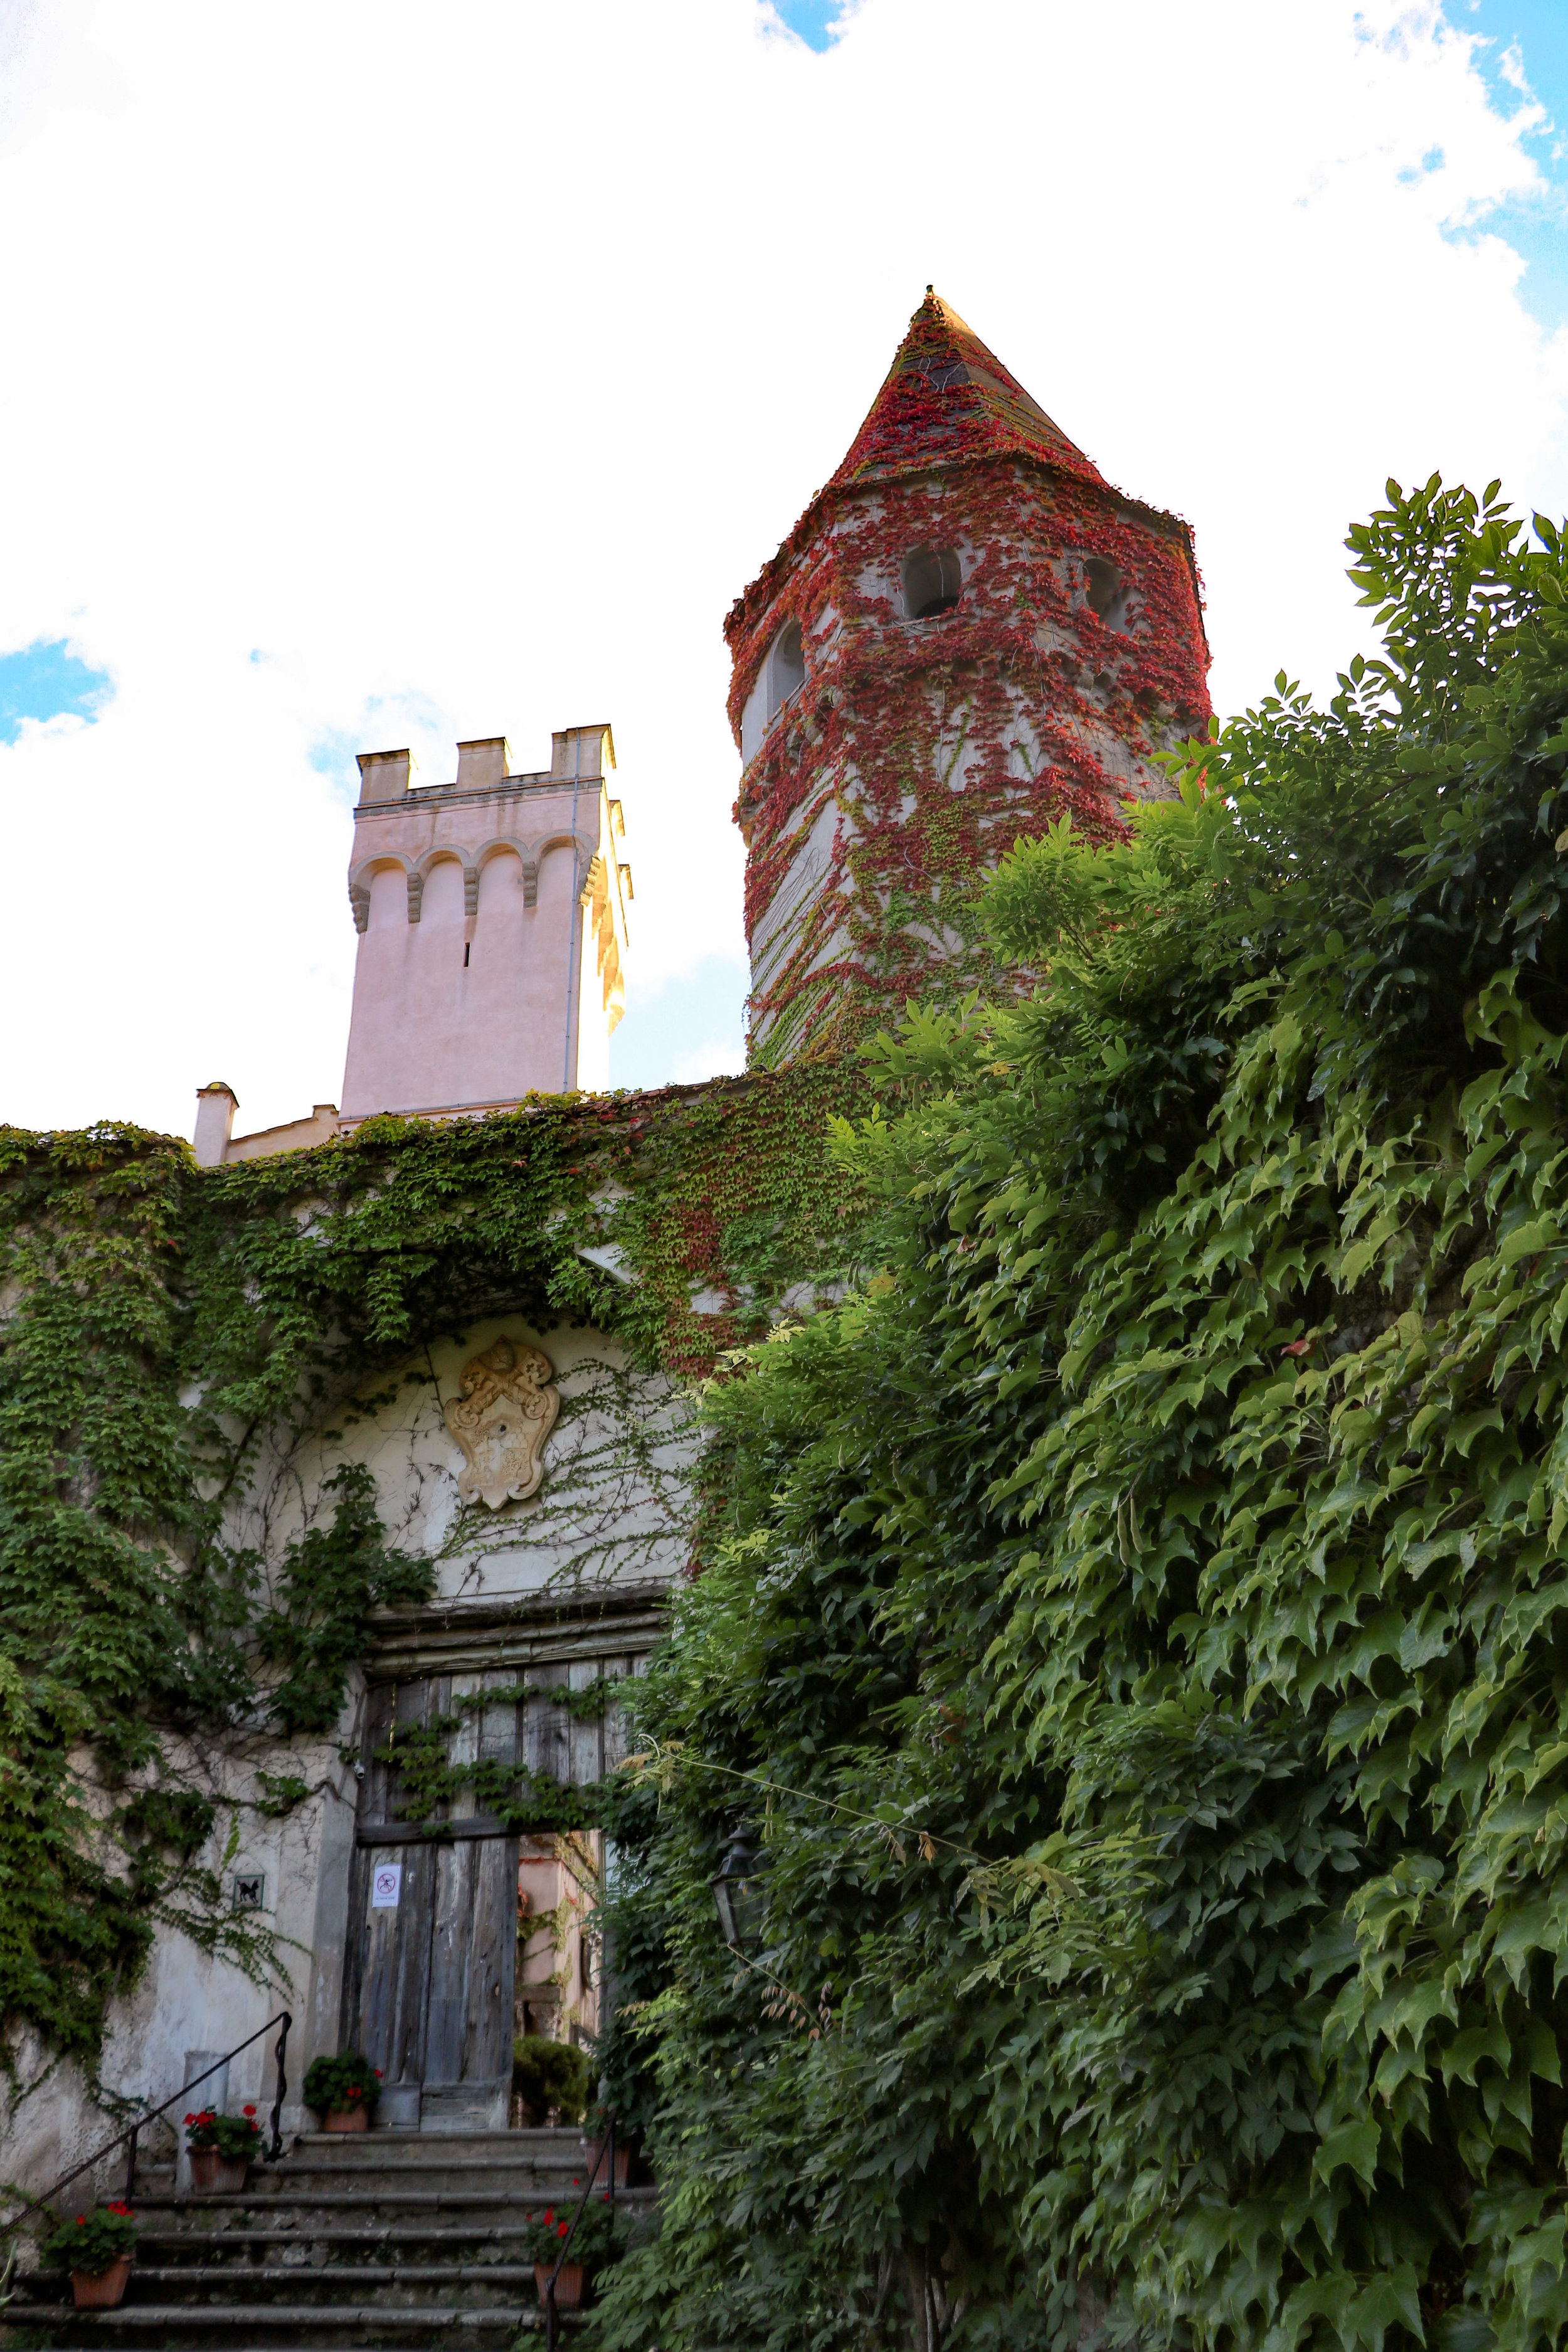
(382, 375)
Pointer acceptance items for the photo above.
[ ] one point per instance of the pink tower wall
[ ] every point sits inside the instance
(492, 914)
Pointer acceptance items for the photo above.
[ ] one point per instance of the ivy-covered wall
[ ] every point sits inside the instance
(221, 1453)
(916, 749)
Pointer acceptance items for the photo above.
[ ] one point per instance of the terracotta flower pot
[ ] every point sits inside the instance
(102, 2290)
(568, 2286)
(592, 2149)
(213, 2175)
(346, 2119)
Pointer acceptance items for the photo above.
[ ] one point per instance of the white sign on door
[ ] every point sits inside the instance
(386, 1885)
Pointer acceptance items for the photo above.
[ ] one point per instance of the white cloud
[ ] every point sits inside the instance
(466, 365)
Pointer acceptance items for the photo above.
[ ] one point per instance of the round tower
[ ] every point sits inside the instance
(967, 634)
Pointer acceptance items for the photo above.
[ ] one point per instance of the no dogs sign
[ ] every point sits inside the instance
(386, 1885)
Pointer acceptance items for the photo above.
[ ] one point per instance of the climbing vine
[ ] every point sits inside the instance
(167, 1333)
(1137, 1624)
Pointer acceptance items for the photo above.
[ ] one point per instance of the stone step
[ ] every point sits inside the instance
(354, 2242)
(344, 2328)
(507, 2229)
(330, 2280)
(188, 2315)
(397, 2189)
(532, 2323)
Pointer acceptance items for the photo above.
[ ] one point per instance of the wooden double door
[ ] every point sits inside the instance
(430, 1979)
(437, 1970)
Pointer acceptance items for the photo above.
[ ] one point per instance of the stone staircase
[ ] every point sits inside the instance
(381, 2239)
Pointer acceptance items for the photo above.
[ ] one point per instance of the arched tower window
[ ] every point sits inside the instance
(1106, 591)
(932, 583)
(787, 667)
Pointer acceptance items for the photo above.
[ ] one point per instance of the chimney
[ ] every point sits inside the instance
(482, 764)
(215, 1108)
(383, 775)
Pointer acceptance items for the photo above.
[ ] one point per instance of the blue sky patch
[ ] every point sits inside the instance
(46, 680)
(689, 1027)
(1535, 33)
(812, 21)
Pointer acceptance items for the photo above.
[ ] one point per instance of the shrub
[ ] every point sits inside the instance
(342, 2082)
(94, 2241)
(1143, 1606)
(546, 2074)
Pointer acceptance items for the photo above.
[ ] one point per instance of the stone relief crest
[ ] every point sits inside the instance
(506, 1412)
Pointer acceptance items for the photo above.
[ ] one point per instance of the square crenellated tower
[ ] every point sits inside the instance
(492, 921)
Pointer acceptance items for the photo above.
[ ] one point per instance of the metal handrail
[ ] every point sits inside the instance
(606, 2147)
(134, 2131)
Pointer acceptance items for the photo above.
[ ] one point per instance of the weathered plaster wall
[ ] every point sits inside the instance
(611, 1505)
(608, 1515)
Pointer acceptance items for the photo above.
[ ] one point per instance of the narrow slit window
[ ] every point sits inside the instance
(467, 945)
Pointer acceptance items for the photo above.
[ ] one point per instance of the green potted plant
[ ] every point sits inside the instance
(343, 2091)
(549, 2076)
(96, 2248)
(597, 2241)
(222, 2150)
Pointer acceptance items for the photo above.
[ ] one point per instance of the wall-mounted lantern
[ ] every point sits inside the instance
(740, 1895)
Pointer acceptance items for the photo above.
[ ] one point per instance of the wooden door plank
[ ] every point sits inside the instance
(463, 1745)
(617, 1746)
(548, 1748)
(450, 1947)
(586, 1738)
(486, 2036)
(412, 1976)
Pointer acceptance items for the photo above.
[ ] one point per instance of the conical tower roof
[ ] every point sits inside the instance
(947, 398)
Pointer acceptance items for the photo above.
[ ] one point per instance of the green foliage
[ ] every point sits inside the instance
(546, 2073)
(334, 2085)
(94, 2241)
(332, 1580)
(637, 1958)
(164, 1324)
(1138, 1620)
(428, 1779)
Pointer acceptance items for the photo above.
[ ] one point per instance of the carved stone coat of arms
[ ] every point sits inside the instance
(506, 1412)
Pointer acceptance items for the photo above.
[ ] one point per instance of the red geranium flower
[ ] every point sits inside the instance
(561, 2228)
(248, 2111)
(190, 2119)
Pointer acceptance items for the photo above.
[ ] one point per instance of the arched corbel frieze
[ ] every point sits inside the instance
(514, 846)
(419, 874)
(360, 881)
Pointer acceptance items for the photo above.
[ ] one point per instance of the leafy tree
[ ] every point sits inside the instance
(1136, 1624)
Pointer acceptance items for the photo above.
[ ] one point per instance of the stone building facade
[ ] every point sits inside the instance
(968, 634)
